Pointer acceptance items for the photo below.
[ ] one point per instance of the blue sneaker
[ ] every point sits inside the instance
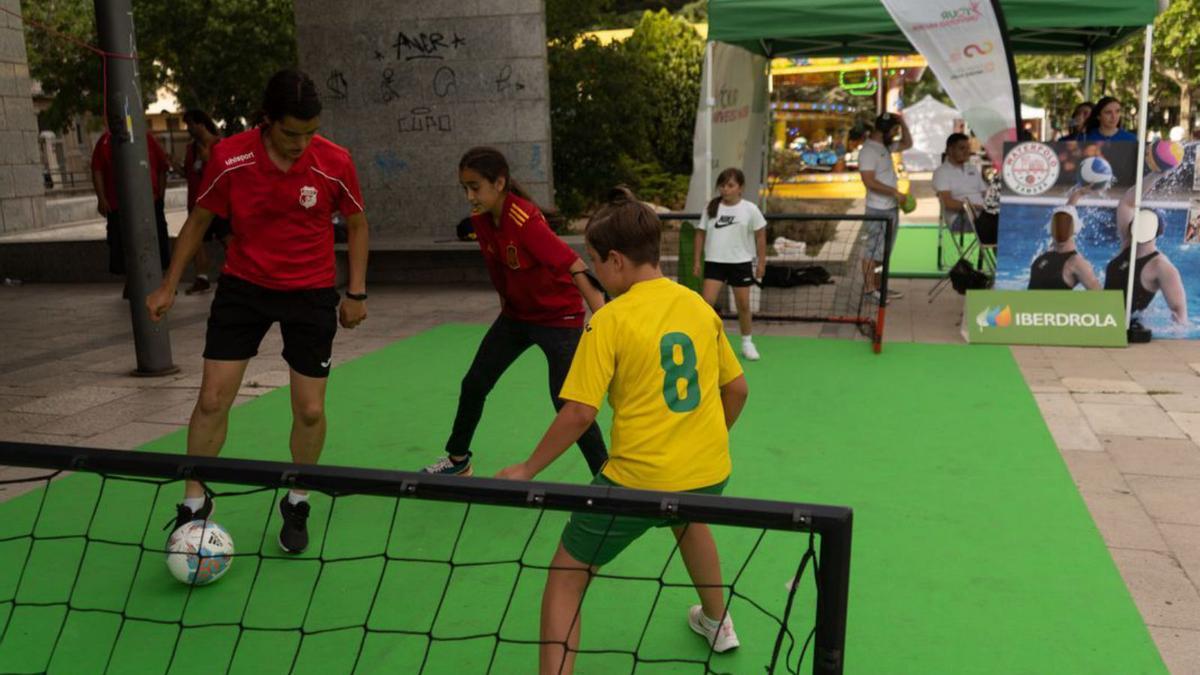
(448, 467)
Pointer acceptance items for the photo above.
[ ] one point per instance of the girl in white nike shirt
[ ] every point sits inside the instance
(731, 236)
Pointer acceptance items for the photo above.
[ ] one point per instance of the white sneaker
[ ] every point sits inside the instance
(721, 638)
(749, 351)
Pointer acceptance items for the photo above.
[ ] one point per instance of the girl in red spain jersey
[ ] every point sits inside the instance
(278, 184)
(540, 281)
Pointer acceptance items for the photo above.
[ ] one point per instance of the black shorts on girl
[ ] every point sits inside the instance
(243, 312)
(734, 274)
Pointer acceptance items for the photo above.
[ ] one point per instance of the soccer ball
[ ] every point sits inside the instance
(1095, 172)
(199, 552)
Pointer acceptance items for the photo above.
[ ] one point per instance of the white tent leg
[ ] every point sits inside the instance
(1089, 74)
(710, 103)
(1137, 185)
(768, 141)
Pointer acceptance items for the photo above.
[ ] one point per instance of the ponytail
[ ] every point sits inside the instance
(713, 205)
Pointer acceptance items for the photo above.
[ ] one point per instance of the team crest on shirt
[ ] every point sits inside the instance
(308, 196)
(514, 261)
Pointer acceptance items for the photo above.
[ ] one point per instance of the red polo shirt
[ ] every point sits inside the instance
(193, 171)
(102, 161)
(282, 221)
(529, 266)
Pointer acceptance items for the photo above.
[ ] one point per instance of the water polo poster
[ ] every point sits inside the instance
(1037, 178)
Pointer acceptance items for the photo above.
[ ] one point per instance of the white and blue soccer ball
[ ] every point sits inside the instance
(1095, 172)
(199, 552)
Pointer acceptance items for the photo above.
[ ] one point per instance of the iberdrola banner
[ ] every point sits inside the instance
(964, 43)
(733, 125)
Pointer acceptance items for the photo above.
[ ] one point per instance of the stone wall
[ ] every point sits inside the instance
(409, 85)
(22, 201)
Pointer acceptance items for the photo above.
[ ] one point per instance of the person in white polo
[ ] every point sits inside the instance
(878, 174)
(959, 182)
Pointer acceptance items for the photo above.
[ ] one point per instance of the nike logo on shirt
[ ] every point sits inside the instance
(724, 221)
(325, 364)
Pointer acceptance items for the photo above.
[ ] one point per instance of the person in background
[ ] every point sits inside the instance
(104, 182)
(1104, 124)
(878, 174)
(1079, 119)
(204, 136)
(958, 182)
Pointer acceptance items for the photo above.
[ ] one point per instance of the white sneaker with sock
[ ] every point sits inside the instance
(748, 349)
(719, 635)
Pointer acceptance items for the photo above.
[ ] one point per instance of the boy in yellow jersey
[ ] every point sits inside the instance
(661, 355)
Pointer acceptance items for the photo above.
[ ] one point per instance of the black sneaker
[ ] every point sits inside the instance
(184, 515)
(293, 536)
(199, 285)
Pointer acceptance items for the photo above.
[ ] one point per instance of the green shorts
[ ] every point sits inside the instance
(597, 538)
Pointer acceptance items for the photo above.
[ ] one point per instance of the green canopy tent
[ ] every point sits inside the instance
(863, 27)
(777, 28)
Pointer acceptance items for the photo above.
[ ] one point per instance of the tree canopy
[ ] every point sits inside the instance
(216, 55)
(622, 112)
(1174, 81)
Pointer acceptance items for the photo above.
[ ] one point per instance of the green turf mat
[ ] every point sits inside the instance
(973, 552)
(915, 255)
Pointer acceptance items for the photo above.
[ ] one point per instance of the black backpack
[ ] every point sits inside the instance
(964, 277)
(779, 276)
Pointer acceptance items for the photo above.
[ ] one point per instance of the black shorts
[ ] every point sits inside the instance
(243, 312)
(734, 274)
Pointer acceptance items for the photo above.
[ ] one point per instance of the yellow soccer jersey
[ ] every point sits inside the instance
(661, 354)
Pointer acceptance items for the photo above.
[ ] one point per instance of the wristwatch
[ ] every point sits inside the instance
(356, 296)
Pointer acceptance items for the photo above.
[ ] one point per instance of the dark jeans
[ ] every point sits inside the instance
(116, 250)
(506, 340)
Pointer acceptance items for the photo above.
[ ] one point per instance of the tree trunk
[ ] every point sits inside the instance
(1185, 110)
(1188, 67)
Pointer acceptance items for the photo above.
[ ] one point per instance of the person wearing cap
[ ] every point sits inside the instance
(1153, 271)
(1062, 267)
(878, 174)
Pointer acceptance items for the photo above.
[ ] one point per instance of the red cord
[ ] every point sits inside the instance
(104, 56)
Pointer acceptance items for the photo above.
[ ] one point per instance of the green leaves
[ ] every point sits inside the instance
(215, 54)
(625, 112)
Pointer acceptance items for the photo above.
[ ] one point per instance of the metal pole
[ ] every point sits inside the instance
(1137, 185)
(127, 124)
(764, 170)
(880, 91)
(710, 102)
(1089, 74)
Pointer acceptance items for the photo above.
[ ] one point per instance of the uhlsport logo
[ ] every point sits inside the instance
(1031, 168)
(1003, 317)
(998, 317)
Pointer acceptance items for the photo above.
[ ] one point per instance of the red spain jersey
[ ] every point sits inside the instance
(529, 265)
(282, 221)
(102, 161)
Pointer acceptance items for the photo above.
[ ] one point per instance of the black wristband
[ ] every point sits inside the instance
(356, 296)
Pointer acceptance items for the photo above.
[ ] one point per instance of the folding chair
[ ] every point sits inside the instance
(958, 228)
